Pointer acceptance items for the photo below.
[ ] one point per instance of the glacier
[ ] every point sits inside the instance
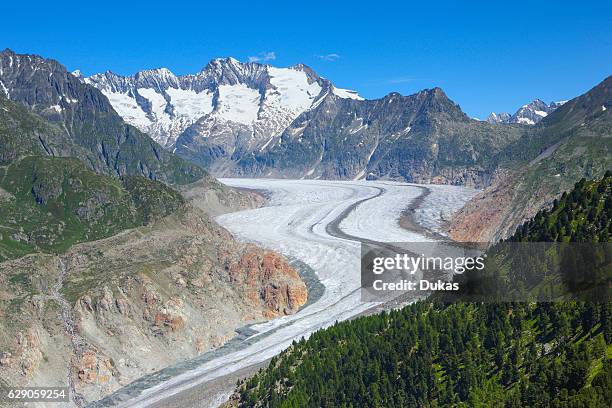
(295, 223)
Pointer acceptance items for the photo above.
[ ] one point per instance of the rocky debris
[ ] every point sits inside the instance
(216, 198)
(94, 368)
(269, 279)
(6, 359)
(5, 195)
(200, 345)
(88, 367)
(20, 236)
(28, 351)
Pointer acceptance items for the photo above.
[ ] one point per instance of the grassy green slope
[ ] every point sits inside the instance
(573, 142)
(50, 203)
(25, 133)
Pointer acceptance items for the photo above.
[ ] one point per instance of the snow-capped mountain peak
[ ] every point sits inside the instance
(502, 117)
(528, 114)
(257, 98)
(346, 93)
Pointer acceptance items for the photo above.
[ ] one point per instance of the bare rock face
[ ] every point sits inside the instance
(139, 301)
(481, 219)
(269, 281)
(28, 348)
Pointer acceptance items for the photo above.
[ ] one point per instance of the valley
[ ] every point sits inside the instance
(295, 222)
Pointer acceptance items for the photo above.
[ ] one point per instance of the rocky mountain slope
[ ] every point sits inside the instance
(529, 114)
(249, 119)
(107, 312)
(50, 201)
(573, 142)
(84, 115)
(254, 120)
(423, 138)
(50, 204)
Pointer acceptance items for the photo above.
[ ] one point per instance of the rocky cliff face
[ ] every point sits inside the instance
(109, 311)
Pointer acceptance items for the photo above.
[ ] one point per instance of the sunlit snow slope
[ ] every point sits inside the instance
(225, 97)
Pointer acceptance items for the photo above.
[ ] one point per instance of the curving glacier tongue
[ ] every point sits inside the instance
(320, 224)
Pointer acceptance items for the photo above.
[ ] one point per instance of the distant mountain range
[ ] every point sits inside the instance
(250, 119)
(529, 114)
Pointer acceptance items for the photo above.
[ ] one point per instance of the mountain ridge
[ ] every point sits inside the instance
(528, 114)
(424, 137)
(240, 123)
(84, 114)
(182, 100)
(571, 143)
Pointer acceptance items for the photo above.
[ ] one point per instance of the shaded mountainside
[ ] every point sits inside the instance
(49, 202)
(423, 138)
(573, 142)
(25, 133)
(86, 117)
(432, 354)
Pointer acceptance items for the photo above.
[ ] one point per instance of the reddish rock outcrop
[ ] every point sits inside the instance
(481, 219)
(270, 281)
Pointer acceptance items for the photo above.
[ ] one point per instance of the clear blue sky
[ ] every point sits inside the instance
(486, 56)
